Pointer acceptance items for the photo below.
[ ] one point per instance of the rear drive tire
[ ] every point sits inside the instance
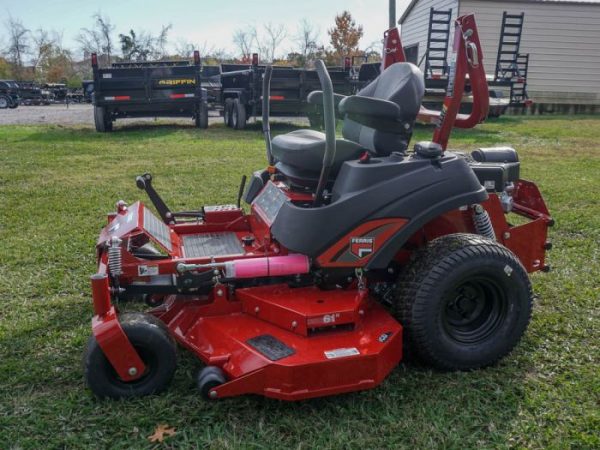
(150, 337)
(238, 118)
(227, 110)
(464, 302)
(14, 105)
(4, 102)
(201, 119)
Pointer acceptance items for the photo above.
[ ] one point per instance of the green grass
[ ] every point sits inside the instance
(57, 183)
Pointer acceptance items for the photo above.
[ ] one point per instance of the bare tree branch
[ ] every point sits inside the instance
(275, 34)
(243, 40)
(18, 43)
(306, 39)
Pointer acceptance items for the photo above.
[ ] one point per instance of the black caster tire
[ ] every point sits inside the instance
(209, 378)
(238, 118)
(150, 337)
(464, 301)
(153, 301)
(227, 111)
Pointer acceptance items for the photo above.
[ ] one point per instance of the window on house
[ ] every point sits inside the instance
(412, 53)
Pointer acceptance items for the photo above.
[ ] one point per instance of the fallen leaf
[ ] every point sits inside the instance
(162, 430)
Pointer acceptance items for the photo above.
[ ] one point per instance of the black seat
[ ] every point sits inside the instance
(378, 119)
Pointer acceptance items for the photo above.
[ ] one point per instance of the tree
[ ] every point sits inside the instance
(105, 29)
(42, 48)
(275, 34)
(142, 46)
(97, 39)
(18, 45)
(243, 40)
(345, 35)
(161, 41)
(306, 38)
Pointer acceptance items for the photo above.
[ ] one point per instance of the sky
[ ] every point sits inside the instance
(201, 21)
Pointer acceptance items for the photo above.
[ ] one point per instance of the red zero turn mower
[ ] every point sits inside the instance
(354, 248)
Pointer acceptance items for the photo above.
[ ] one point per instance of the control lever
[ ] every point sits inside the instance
(241, 191)
(144, 182)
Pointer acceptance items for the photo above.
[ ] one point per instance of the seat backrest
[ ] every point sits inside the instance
(403, 84)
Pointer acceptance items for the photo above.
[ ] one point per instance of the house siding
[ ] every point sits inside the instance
(414, 28)
(562, 39)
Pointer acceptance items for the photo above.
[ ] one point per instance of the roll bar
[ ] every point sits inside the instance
(329, 116)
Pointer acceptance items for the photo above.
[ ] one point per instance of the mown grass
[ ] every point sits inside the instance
(57, 183)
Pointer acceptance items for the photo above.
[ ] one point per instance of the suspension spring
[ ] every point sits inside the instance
(482, 222)
(115, 263)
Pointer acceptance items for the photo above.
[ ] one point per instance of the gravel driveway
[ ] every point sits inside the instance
(82, 114)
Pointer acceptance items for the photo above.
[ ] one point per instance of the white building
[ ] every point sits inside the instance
(562, 38)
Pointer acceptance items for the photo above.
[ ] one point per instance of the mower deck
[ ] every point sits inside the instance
(288, 343)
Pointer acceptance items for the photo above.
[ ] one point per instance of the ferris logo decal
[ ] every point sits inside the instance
(361, 247)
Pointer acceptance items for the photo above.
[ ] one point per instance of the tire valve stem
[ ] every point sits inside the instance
(482, 222)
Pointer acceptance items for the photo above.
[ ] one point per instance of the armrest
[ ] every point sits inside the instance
(316, 98)
(369, 106)
(381, 115)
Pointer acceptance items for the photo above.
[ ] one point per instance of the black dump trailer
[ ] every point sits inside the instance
(9, 94)
(149, 89)
(31, 93)
(241, 91)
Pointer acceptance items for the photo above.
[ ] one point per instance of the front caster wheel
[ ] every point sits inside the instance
(151, 339)
(464, 302)
(208, 378)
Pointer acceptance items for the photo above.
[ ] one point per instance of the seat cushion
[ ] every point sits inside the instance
(304, 149)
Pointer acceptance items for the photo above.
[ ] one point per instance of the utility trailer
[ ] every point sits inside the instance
(149, 89)
(241, 91)
(33, 93)
(9, 94)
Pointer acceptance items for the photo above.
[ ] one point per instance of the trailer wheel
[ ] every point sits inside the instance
(316, 121)
(464, 302)
(227, 110)
(238, 118)
(201, 119)
(150, 337)
(4, 103)
(101, 120)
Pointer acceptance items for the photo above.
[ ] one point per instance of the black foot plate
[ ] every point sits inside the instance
(270, 347)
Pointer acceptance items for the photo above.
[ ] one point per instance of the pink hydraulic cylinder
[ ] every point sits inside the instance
(274, 266)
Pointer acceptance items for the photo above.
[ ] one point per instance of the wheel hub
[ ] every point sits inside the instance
(474, 310)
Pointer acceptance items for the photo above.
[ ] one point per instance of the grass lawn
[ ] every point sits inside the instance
(57, 183)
